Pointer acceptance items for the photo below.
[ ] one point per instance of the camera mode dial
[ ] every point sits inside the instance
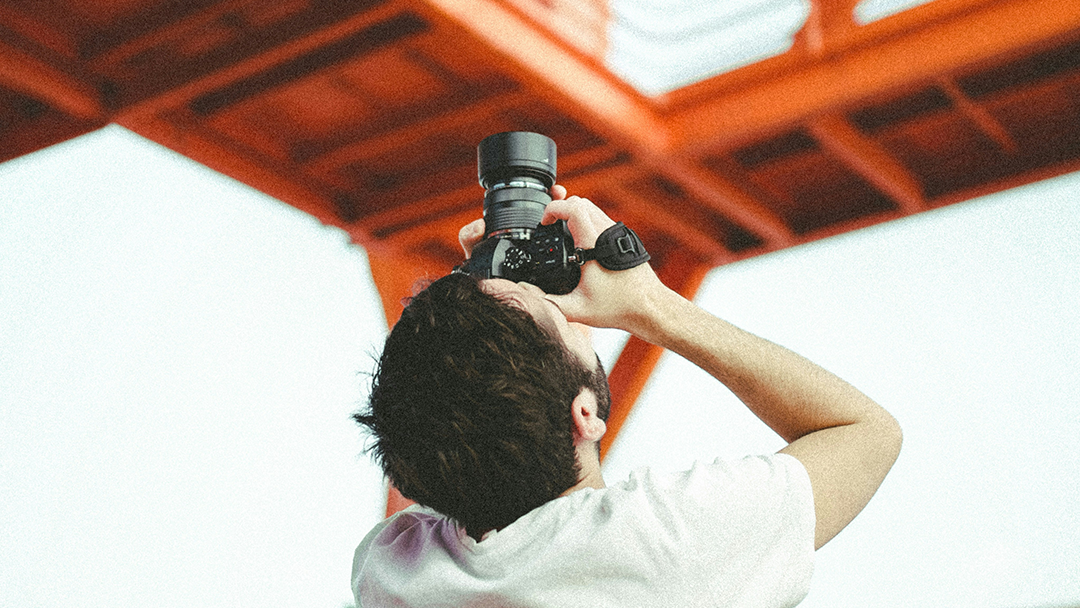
(516, 259)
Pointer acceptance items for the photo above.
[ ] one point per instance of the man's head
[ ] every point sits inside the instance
(470, 406)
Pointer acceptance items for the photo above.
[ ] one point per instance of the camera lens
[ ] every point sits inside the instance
(517, 171)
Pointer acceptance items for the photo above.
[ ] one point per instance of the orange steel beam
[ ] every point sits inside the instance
(419, 131)
(829, 20)
(45, 81)
(869, 160)
(47, 28)
(841, 36)
(259, 62)
(617, 111)
(858, 223)
(164, 23)
(731, 201)
(409, 224)
(815, 87)
(441, 229)
(978, 115)
(801, 57)
(577, 21)
(562, 74)
(631, 372)
(641, 211)
(186, 135)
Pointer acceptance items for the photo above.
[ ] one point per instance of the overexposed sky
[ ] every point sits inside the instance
(661, 45)
(179, 356)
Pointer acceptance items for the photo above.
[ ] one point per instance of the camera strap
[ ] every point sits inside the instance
(617, 248)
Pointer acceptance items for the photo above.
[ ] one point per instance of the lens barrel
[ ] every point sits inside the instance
(517, 171)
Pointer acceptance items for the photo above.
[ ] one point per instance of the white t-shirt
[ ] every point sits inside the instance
(731, 533)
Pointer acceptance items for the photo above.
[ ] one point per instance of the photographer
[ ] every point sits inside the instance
(487, 409)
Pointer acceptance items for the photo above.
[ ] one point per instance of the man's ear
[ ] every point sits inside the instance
(588, 427)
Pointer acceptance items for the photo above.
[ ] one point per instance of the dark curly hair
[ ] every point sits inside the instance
(470, 406)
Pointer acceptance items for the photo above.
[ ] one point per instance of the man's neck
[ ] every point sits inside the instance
(591, 475)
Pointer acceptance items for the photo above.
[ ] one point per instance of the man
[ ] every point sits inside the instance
(487, 409)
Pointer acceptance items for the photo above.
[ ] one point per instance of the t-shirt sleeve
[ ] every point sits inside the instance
(746, 525)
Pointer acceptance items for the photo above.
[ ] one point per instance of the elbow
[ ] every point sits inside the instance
(892, 437)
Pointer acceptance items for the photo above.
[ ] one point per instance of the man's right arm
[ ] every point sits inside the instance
(846, 442)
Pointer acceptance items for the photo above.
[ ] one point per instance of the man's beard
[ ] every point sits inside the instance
(598, 384)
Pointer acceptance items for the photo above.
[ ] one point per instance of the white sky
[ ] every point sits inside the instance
(179, 355)
(662, 45)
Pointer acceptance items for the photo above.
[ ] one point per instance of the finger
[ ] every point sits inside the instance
(471, 234)
(564, 209)
(574, 305)
(558, 192)
(565, 303)
(585, 220)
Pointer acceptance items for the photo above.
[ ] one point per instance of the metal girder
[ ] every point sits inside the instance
(257, 64)
(141, 32)
(978, 115)
(816, 86)
(868, 159)
(829, 20)
(730, 200)
(643, 212)
(46, 82)
(186, 136)
(381, 144)
(560, 73)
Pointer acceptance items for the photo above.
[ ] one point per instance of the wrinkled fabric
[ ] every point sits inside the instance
(736, 533)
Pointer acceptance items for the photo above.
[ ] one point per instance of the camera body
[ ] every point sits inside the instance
(541, 258)
(517, 171)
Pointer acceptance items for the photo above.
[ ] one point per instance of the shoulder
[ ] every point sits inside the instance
(752, 480)
(415, 526)
(753, 518)
(755, 500)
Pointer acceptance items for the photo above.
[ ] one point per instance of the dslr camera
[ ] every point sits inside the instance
(517, 171)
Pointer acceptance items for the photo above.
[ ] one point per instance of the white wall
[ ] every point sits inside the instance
(178, 362)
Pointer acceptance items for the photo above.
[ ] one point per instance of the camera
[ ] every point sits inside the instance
(517, 171)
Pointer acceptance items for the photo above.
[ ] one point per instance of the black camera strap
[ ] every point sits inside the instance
(617, 248)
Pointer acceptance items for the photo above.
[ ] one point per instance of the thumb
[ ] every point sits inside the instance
(571, 304)
(471, 234)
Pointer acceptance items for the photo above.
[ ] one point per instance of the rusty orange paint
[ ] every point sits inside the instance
(40, 80)
(564, 75)
(829, 21)
(768, 99)
(395, 501)
(870, 160)
(396, 277)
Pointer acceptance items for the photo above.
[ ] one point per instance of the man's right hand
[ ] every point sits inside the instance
(621, 299)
